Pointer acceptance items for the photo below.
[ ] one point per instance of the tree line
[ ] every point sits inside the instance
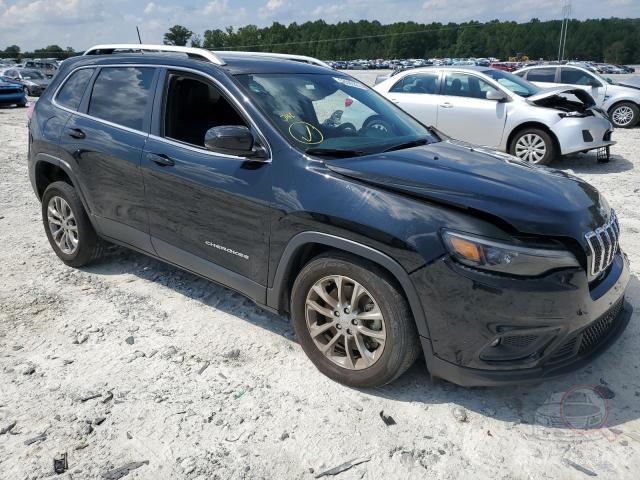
(614, 40)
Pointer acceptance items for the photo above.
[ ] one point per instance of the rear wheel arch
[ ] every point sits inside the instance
(308, 245)
(47, 172)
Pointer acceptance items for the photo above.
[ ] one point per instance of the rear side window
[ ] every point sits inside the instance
(417, 83)
(71, 93)
(122, 95)
(542, 75)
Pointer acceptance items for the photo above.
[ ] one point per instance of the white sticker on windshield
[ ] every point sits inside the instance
(310, 86)
(349, 83)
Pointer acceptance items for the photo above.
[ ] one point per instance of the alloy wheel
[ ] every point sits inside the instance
(345, 322)
(622, 116)
(531, 148)
(62, 224)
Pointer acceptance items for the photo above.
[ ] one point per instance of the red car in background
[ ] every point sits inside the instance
(506, 66)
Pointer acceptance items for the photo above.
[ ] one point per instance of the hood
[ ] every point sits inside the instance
(563, 98)
(632, 82)
(533, 200)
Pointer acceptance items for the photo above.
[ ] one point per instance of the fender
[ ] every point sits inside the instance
(58, 162)
(274, 293)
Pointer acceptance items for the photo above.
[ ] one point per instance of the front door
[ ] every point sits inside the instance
(208, 212)
(465, 113)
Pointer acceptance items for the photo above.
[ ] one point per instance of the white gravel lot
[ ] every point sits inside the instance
(131, 360)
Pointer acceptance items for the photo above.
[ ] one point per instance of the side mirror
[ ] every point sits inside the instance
(595, 84)
(495, 95)
(234, 140)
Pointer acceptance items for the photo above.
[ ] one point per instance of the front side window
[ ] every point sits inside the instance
(332, 114)
(465, 85)
(192, 107)
(417, 83)
(512, 82)
(573, 76)
(122, 95)
(542, 75)
(71, 92)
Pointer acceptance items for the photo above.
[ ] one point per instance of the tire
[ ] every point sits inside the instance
(542, 146)
(22, 105)
(87, 246)
(624, 114)
(381, 299)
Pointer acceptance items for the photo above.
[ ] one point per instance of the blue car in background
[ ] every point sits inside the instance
(12, 93)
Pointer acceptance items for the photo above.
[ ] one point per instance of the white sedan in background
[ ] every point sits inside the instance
(499, 110)
(620, 99)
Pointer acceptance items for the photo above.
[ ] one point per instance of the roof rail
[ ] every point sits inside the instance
(142, 48)
(283, 56)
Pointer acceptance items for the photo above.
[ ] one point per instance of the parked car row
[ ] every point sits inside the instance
(34, 82)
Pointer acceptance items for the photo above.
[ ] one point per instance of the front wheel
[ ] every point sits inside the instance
(624, 115)
(533, 145)
(352, 321)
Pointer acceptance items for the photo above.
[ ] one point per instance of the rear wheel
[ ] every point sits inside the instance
(624, 114)
(533, 145)
(352, 321)
(67, 225)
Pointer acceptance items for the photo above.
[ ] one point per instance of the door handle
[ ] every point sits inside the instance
(446, 105)
(76, 133)
(160, 159)
(394, 100)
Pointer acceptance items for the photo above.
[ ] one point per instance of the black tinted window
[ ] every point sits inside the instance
(72, 90)
(122, 95)
(573, 76)
(542, 75)
(417, 83)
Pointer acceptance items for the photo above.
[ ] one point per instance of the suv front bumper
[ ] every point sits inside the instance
(554, 325)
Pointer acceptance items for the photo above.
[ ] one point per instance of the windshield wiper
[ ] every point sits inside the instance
(335, 152)
(409, 144)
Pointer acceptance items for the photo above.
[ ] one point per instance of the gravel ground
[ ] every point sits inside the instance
(131, 360)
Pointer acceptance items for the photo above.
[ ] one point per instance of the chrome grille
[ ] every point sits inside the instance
(603, 245)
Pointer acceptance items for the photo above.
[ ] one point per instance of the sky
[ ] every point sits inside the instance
(82, 23)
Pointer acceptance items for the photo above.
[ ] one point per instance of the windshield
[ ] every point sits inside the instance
(332, 114)
(512, 82)
(32, 75)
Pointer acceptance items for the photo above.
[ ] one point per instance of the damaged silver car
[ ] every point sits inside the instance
(502, 111)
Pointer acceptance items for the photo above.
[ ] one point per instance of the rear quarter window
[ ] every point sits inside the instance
(122, 95)
(542, 75)
(71, 92)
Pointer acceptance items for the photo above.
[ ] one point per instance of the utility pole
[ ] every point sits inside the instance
(566, 13)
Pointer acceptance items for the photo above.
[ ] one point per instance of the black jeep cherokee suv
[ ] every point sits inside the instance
(309, 193)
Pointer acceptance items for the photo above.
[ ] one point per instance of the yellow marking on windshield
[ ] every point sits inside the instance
(306, 133)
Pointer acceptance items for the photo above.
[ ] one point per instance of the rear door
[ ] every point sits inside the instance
(417, 94)
(104, 140)
(465, 113)
(208, 212)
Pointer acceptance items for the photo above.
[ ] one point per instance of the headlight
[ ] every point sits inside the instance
(574, 114)
(506, 258)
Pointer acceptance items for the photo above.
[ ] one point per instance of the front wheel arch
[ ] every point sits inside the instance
(528, 125)
(307, 245)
